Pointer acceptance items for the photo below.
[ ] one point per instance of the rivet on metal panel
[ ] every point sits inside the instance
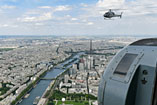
(145, 72)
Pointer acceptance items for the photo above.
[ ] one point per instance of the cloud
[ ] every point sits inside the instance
(7, 7)
(90, 23)
(57, 8)
(39, 24)
(46, 13)
(45, 7)
(71, 23)
(83, 5)
(110, 3)
(42, 17)
(63, 8)
(8, 25)
(142, 8)
(74, 19)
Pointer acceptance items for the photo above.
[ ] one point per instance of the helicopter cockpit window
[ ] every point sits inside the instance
(146, 42)
(125, 64)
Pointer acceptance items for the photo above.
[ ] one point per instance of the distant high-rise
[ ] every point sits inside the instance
(90, 54)
(90, 46)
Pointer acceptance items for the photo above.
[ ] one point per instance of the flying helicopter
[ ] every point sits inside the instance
(110, 14)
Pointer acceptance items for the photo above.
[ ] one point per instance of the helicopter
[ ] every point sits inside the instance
(110, 14)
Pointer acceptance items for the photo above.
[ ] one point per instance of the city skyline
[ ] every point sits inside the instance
(68, 17)
(29, 66)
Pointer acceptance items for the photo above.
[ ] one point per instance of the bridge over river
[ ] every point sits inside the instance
(45, 82)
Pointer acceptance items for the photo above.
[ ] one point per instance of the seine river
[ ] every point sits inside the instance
(43, 84)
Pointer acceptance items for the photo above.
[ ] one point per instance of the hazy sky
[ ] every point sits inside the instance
(77, 17)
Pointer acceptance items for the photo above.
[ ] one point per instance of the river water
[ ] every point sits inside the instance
(43, 84)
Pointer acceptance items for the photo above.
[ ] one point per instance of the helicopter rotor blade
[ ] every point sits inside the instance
(111, 9)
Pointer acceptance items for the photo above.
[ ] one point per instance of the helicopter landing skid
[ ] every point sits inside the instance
(108, 19)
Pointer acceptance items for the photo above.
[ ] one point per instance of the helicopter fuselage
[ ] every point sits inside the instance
(111, 14)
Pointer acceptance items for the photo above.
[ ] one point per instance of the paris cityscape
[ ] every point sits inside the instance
(27, 62)
(78, 52)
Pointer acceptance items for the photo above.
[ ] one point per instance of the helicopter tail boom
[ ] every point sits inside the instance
(121, 14)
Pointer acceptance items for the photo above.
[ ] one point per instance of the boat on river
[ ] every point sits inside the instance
(36, 100)
(26, 96)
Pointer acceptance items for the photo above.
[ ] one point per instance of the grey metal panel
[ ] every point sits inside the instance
(114, 92)
(101, 91)
(145, 88)
(115, 89)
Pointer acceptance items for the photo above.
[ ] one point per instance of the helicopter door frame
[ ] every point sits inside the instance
(154, 96)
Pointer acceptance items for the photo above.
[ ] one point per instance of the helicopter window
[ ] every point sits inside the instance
(145, 42)
(125, 64)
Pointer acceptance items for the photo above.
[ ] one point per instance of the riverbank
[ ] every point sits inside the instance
(29, 88)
